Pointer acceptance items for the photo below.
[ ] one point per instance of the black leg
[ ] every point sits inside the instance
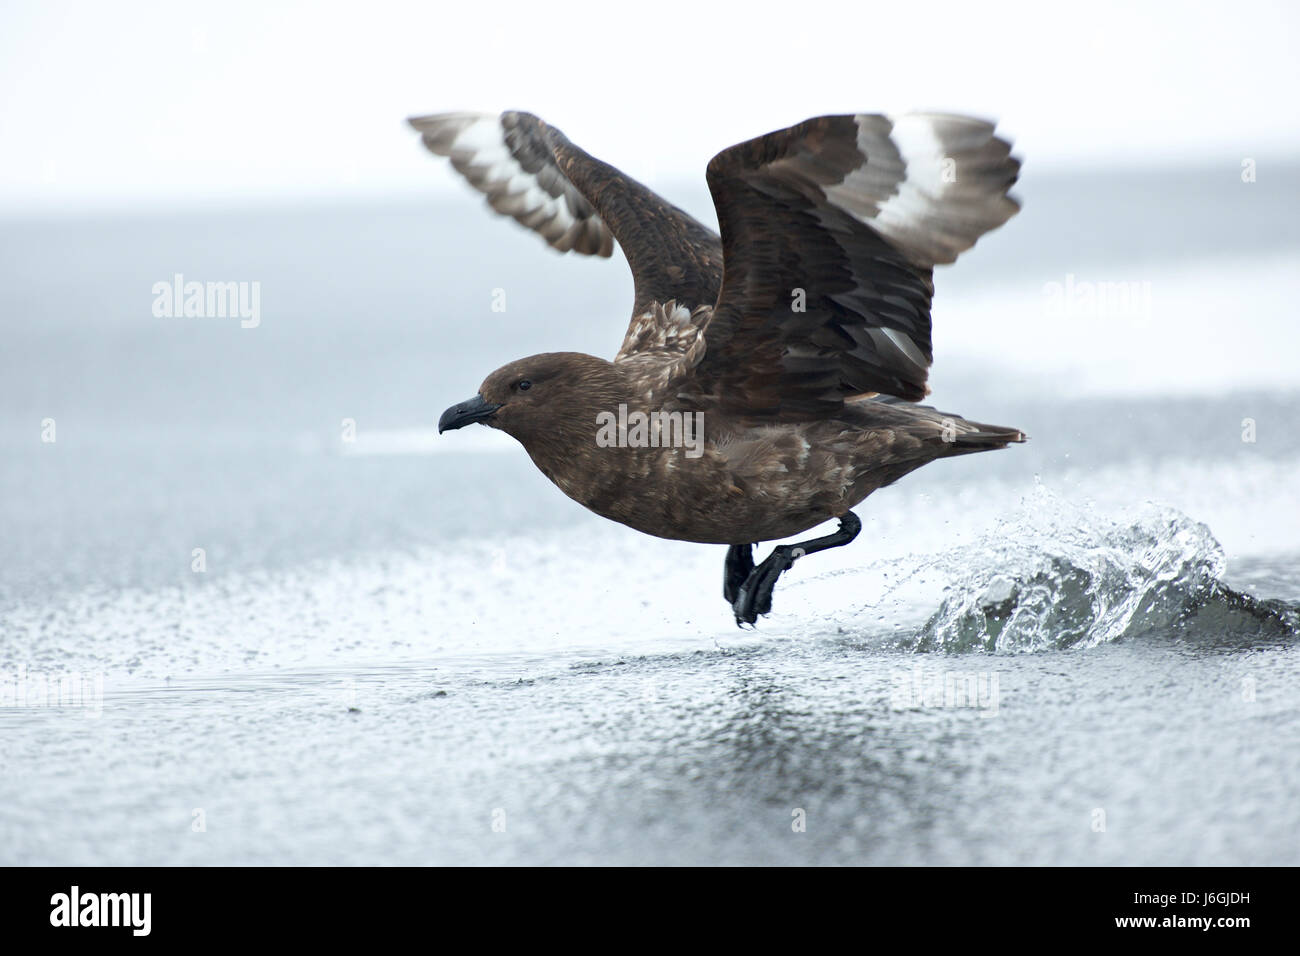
(740, 564)
(755, 595)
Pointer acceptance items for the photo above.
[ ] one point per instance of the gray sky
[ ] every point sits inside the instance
(143, 101)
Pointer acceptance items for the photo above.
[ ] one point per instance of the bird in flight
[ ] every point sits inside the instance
(767, 380)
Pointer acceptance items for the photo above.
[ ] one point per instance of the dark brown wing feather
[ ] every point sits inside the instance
(530, 171)
(830, 230)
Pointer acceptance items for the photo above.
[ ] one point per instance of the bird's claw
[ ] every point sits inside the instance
(755, 595)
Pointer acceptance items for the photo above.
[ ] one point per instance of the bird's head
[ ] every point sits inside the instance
(543, 399)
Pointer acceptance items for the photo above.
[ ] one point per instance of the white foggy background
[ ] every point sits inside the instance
(146, 109)
(137, 102)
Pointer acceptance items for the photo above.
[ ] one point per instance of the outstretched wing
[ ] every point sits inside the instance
(505, 158)
(830, 230)
(531, 172)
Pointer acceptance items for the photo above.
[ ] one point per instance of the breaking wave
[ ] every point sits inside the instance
(1060, 576)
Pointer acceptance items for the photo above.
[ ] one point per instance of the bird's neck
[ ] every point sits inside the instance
(586, 433)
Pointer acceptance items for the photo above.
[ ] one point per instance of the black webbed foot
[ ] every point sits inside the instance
(753, 597)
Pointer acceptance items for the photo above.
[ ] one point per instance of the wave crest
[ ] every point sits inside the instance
(1058, 576)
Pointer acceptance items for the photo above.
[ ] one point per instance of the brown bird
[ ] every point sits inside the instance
(765, 381)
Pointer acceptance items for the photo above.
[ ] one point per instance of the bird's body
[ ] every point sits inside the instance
(766, 380)
(739, 483)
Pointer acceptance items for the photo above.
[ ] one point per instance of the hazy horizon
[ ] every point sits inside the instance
(144, 102)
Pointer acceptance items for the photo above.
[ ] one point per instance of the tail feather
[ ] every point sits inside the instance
(948, 434)
(982, 437)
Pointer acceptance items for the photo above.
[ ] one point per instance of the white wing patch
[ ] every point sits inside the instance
(543, 201)
(931, 183)
(922, 186)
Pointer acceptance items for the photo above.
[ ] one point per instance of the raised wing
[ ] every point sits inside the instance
(531, 172)
(507, 159)
(830, 230)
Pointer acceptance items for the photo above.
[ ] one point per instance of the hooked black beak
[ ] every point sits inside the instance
(466, 413)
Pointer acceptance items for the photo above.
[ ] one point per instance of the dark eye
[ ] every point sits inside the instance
(524, 385)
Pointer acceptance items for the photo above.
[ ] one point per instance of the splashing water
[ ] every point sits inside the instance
(1058, 575)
